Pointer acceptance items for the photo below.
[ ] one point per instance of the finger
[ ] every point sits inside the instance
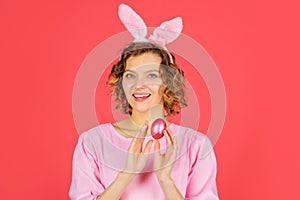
(137, 142)
(174, 148)
(156, 148)
(140, 135)
(172, 138)
(143, 157)
(132, 145)
(170, 144)
(143, 131)
(175, 143)
(170, 134)
(168, 137)
(148, 147)
(157, 156)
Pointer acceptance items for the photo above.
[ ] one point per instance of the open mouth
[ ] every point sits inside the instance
(141, 96)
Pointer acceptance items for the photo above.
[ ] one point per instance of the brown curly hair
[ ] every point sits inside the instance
(172, 76)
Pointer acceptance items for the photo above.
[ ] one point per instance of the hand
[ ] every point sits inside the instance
(163, 163)
(136, 157)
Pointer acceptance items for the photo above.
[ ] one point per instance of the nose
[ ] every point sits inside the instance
(140, 82)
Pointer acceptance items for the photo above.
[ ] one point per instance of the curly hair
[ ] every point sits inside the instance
(172, 77)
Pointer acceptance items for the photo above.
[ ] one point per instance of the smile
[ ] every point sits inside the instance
(141, 96)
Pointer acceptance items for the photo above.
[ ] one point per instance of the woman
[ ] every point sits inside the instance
(144, 79)
(119, 160)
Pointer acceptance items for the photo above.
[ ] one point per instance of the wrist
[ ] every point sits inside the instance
(125, 177)
(167, 181)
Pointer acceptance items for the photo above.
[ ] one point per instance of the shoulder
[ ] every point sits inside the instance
(95, 133)
(186, 132)
(194, 141)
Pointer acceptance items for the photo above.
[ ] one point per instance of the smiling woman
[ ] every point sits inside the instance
(141, 82)
(118, 161)
(146, 63)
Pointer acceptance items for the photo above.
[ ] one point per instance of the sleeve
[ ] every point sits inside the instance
(202, 175)
(86, 183)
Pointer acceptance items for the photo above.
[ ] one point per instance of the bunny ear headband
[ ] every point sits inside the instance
(166, 33)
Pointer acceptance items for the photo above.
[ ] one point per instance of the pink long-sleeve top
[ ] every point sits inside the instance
(101, 152)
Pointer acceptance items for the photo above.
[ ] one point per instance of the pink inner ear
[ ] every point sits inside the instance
(168, 31)
(174, 25)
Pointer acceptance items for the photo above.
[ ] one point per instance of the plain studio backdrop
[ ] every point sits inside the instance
(255, 45)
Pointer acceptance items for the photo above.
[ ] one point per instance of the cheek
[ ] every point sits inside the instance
(158, 90)
(127, 84)
(125, 88)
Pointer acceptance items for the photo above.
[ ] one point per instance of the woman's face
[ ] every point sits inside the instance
(142, 81)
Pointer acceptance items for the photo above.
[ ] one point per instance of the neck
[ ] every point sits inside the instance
(139, 118)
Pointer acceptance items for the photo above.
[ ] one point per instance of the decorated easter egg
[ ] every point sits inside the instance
(157, 128)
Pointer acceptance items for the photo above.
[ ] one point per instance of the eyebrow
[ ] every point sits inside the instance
(152, 70)
(128, 70)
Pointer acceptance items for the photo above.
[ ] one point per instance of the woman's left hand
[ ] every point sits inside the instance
(163, 163)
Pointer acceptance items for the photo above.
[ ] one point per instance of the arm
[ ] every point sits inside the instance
(170, 190)
(135, 162)
(163, 164)
(116, 189)
(202, 176)
(86, 182)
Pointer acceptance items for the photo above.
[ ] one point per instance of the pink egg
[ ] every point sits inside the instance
(157, 128)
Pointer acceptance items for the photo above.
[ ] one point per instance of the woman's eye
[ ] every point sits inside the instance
(152, 76)
(129, 76)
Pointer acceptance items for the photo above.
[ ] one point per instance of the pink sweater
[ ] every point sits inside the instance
(101, 153)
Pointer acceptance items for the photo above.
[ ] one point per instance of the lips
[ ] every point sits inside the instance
(141, 96)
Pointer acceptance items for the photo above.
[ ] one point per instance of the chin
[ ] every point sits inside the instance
(144, 108)
(141, 110)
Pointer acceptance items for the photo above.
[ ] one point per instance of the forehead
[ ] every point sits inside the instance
(148, 60)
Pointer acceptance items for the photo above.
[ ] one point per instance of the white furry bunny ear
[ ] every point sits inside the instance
(133, 23)
(167, 32)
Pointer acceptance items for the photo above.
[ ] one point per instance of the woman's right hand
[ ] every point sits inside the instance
(136, 156)
(135, 163)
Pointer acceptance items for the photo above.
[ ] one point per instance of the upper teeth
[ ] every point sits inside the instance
(141, 95)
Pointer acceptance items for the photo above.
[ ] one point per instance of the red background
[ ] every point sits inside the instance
(255, 44)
